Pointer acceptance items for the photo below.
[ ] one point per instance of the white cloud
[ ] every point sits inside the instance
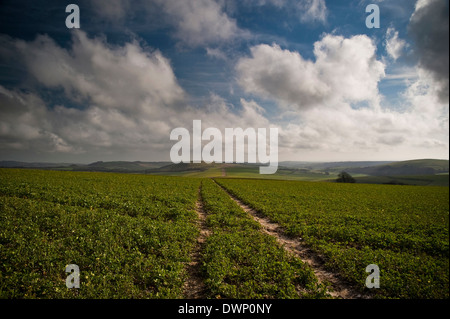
(308, 11)
(199, 22)
(216, 53)
(394, 45)
(129, 96)
(345, 69)
(122, 90)
(420, 4)
(132, 100)
(276, 3)
(195, 22)
(402, 73)
(313, 11)
(94, 72)
(321, 98)
(26, 123)
(370, 133)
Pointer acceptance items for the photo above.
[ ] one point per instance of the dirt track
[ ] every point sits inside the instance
(339, 287)
(194, 286)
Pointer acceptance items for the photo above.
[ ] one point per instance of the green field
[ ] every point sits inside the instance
(402, 229)
(424, 172)
(321, 173)
(251, 171)
(242, 262)
(134, 235)
(130, 235)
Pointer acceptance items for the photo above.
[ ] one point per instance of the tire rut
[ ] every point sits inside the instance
(194, 287)
(340, 288)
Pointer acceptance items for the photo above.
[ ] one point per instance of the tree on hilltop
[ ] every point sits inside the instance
(345, 177)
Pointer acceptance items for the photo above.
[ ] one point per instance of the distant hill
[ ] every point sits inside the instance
(119, 166)
(331, 166)
(413, 167)
(184, 167)
(16, 164)
(414, 172)
(373, 168)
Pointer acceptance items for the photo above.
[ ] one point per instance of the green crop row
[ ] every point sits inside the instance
(240, 261)
(130, 235)
(402, 229)
(157, 197)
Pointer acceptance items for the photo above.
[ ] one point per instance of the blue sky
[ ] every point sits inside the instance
(135, 70)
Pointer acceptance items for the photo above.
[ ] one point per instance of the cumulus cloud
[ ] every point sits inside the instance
(199, 22)
(123, 101)
(23, 120)
(419, 127)
(119, 89)
(344, 69)
(117, 100)
(194, 22)
(429, 27)
(94, 72)
(322, 98)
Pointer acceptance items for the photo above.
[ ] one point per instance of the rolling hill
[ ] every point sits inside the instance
(413, 172)
(413, 167)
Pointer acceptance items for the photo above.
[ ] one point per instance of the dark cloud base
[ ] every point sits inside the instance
(429, 28)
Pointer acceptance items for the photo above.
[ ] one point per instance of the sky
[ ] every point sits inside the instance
(116, 87)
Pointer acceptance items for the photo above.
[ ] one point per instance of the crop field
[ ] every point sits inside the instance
(133, 236)
(402, 229)
(130, 235)
(242, 262)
